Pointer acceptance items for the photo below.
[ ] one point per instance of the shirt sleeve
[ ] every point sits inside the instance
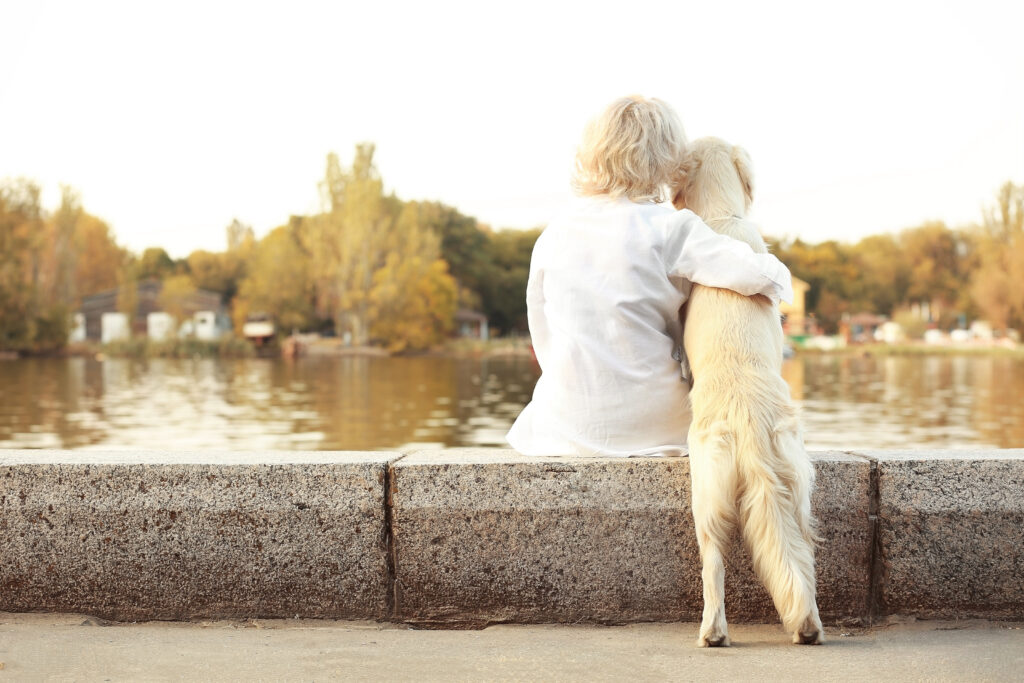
(699, 254)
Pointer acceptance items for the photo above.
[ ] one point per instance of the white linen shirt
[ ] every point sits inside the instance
(607, 279)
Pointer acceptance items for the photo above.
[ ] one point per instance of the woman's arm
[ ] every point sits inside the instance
(699, 254)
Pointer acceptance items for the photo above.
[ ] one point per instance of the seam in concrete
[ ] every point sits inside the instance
(875, 563)
(390, 553)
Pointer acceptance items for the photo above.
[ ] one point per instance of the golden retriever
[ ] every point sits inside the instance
(748, 465)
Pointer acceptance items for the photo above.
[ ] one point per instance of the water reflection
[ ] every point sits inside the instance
(359, 403)
(351, 403)
(911, 401)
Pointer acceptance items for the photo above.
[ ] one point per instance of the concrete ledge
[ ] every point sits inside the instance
(951, 533)
(490, 536)
(133, 536)
(467, 537)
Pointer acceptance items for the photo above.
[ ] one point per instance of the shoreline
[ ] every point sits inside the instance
(233, 347)
(914, 350)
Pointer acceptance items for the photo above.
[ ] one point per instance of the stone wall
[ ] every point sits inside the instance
(466, 537)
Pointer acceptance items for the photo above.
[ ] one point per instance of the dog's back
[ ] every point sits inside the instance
(747, 461)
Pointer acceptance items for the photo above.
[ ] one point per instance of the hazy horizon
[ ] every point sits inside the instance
(172, 121)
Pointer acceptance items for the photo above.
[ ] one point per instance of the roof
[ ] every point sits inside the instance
(466, 315)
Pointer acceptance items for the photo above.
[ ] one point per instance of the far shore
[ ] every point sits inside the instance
(232, 347)
(308, 346)
(911, 349)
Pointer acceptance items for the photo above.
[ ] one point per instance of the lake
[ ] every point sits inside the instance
(371, 403)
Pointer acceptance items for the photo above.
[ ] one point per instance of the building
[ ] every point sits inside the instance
(471, 324)
(147, 301)
(862, 328)
(795, 320)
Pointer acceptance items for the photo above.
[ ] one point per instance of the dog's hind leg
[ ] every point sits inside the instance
(713, 486)
(777, 526)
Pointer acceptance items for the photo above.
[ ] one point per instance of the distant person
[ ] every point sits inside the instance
(607, 279)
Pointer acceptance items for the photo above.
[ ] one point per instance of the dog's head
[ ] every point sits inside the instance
(716, 180)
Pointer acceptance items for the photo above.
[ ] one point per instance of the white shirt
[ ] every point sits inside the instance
(607, 279)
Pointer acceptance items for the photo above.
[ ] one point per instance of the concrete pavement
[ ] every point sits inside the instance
(48, 647)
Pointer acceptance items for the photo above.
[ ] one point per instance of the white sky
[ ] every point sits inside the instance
(173, 118)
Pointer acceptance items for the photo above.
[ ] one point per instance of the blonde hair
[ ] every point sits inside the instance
(633, 149)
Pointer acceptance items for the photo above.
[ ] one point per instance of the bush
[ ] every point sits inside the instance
(141, 347)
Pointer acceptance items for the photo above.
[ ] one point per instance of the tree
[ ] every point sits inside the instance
(376, 261)
(884, 274)
(413, 299)
(827, 268)
(99, 258)
(20, 241)
(345, 241)
(465, 246)
(240, 236)
(933, 253)
(175, 295)
(218, 272)
(503, 285)
(63, 243)
(128, 288)
(996, 285)
(278, 281)
(155, 264)
(33, 312)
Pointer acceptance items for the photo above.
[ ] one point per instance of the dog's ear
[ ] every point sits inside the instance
(682, 178)
(745, 169)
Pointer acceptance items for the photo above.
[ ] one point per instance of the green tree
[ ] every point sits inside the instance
(884, 274)
(465, 246)
(503, 282)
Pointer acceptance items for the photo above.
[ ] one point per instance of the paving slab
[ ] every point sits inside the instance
(76, 647)
(151, 535)
(487, 535)
(951, 532)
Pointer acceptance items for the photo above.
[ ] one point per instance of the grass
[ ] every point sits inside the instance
(463, 346)
(142, 347)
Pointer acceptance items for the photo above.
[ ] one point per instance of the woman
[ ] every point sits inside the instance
(607, 280)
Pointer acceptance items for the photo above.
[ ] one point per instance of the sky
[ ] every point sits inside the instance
(172, 119)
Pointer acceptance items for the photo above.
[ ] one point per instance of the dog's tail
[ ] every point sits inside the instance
(777, 478)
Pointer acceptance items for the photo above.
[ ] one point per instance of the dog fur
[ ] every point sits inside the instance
(748, 465)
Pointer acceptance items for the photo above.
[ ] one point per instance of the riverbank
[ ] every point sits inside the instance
(77, 647)
(233, 347)
(308, 345)
(915, 350)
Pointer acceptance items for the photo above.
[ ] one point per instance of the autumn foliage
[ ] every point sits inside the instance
(374, 269)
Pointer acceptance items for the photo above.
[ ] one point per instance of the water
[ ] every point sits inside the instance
(362, 403)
